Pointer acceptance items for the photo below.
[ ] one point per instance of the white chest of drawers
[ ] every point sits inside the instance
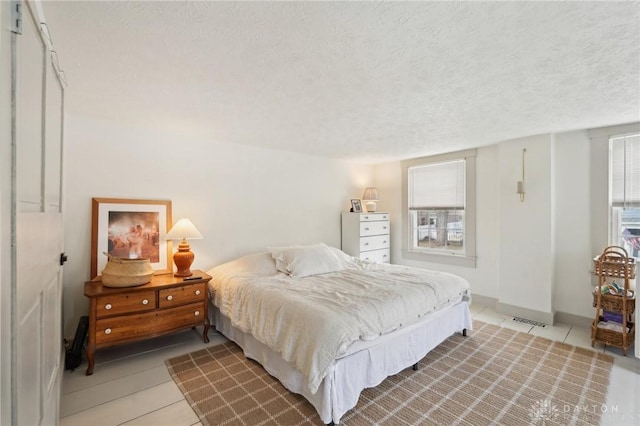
(367, 236)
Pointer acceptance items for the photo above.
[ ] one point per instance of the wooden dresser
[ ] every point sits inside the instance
(367, 236)
(164, 305)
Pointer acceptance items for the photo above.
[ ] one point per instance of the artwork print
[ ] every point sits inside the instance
(134, 235)
(130, 229)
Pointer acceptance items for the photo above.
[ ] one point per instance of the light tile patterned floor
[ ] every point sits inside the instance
(131, 386)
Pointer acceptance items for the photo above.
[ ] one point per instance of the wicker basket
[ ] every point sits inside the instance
(613, 303)
(121, 272)
(614, 262)
(612, 337)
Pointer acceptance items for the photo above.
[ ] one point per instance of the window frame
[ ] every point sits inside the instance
(615, 207)
(468, 256)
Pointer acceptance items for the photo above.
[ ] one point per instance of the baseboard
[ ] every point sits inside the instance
(544, 317)
(519, 311)
(573, 320)
(489, 302)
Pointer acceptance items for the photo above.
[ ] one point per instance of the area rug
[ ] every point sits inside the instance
(493, 376)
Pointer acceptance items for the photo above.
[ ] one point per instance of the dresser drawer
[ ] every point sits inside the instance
(374, 228)
(374, 243)
(132, 327)
(368, 217)
(379, 256)
(180, 295)
(138, 301)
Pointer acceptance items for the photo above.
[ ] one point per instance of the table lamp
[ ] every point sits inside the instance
(370, 196)
(183, 258)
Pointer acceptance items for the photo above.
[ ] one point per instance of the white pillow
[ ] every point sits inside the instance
(344, 258)
(278, 255)
(260, 264)
(310, 260)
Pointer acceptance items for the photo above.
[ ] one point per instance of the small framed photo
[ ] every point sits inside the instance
(130, 229)
(356, 206)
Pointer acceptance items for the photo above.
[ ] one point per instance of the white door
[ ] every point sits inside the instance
(37, 223)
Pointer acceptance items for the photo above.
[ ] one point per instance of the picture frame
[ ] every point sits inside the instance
(130, 228)
(356, 206)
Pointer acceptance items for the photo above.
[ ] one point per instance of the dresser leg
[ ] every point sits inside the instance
(91, 361)
(205, 333)
(91, 336)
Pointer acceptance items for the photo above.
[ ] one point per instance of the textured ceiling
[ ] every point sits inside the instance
(369, 81)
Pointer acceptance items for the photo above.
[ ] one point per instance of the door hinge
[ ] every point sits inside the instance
(16, 16)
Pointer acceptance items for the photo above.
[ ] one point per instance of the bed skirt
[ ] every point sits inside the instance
(365, 366)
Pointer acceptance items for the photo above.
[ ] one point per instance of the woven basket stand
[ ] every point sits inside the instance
(614, 263)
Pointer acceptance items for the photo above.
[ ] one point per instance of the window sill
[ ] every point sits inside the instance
(448, 259)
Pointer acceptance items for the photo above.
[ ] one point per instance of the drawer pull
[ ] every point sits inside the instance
(384, 227)
(366, 244)
(197, 292)
(197, 313)
(107, 331)
(145, 302)
(384, 242)
(366, 217)
(108, 306)
(169, 297)
(384, 255)
(366, 229)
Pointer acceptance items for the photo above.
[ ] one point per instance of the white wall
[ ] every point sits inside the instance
(525, 276)
(241, 198)
(245, 198)
(535, 254)
(5, 214)
(484, 277)
(488, 216)
(573, 223)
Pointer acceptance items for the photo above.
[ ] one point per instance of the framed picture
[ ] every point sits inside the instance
(132, 229)
(356, 206)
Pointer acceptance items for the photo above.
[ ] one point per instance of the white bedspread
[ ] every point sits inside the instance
(313, 320)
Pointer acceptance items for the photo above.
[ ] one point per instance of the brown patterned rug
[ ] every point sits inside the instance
(493, 376)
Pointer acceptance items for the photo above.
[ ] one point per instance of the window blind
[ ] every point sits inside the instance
(625, 171)
(438, 186)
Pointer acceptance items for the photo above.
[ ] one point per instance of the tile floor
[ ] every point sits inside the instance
(131, 385)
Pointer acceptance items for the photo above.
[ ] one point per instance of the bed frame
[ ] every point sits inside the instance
(361, 367)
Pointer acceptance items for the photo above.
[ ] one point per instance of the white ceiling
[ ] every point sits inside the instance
(366, 81)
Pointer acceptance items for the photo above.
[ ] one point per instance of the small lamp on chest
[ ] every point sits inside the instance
(183, 258)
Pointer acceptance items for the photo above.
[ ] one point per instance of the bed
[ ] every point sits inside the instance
(328, 325)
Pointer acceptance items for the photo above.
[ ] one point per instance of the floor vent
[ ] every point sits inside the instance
(528, 321)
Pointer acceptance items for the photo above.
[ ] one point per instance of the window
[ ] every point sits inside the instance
(624, 193)
(439, 204)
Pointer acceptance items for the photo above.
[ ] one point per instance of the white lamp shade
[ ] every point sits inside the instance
(370, 194)
(184, 230)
